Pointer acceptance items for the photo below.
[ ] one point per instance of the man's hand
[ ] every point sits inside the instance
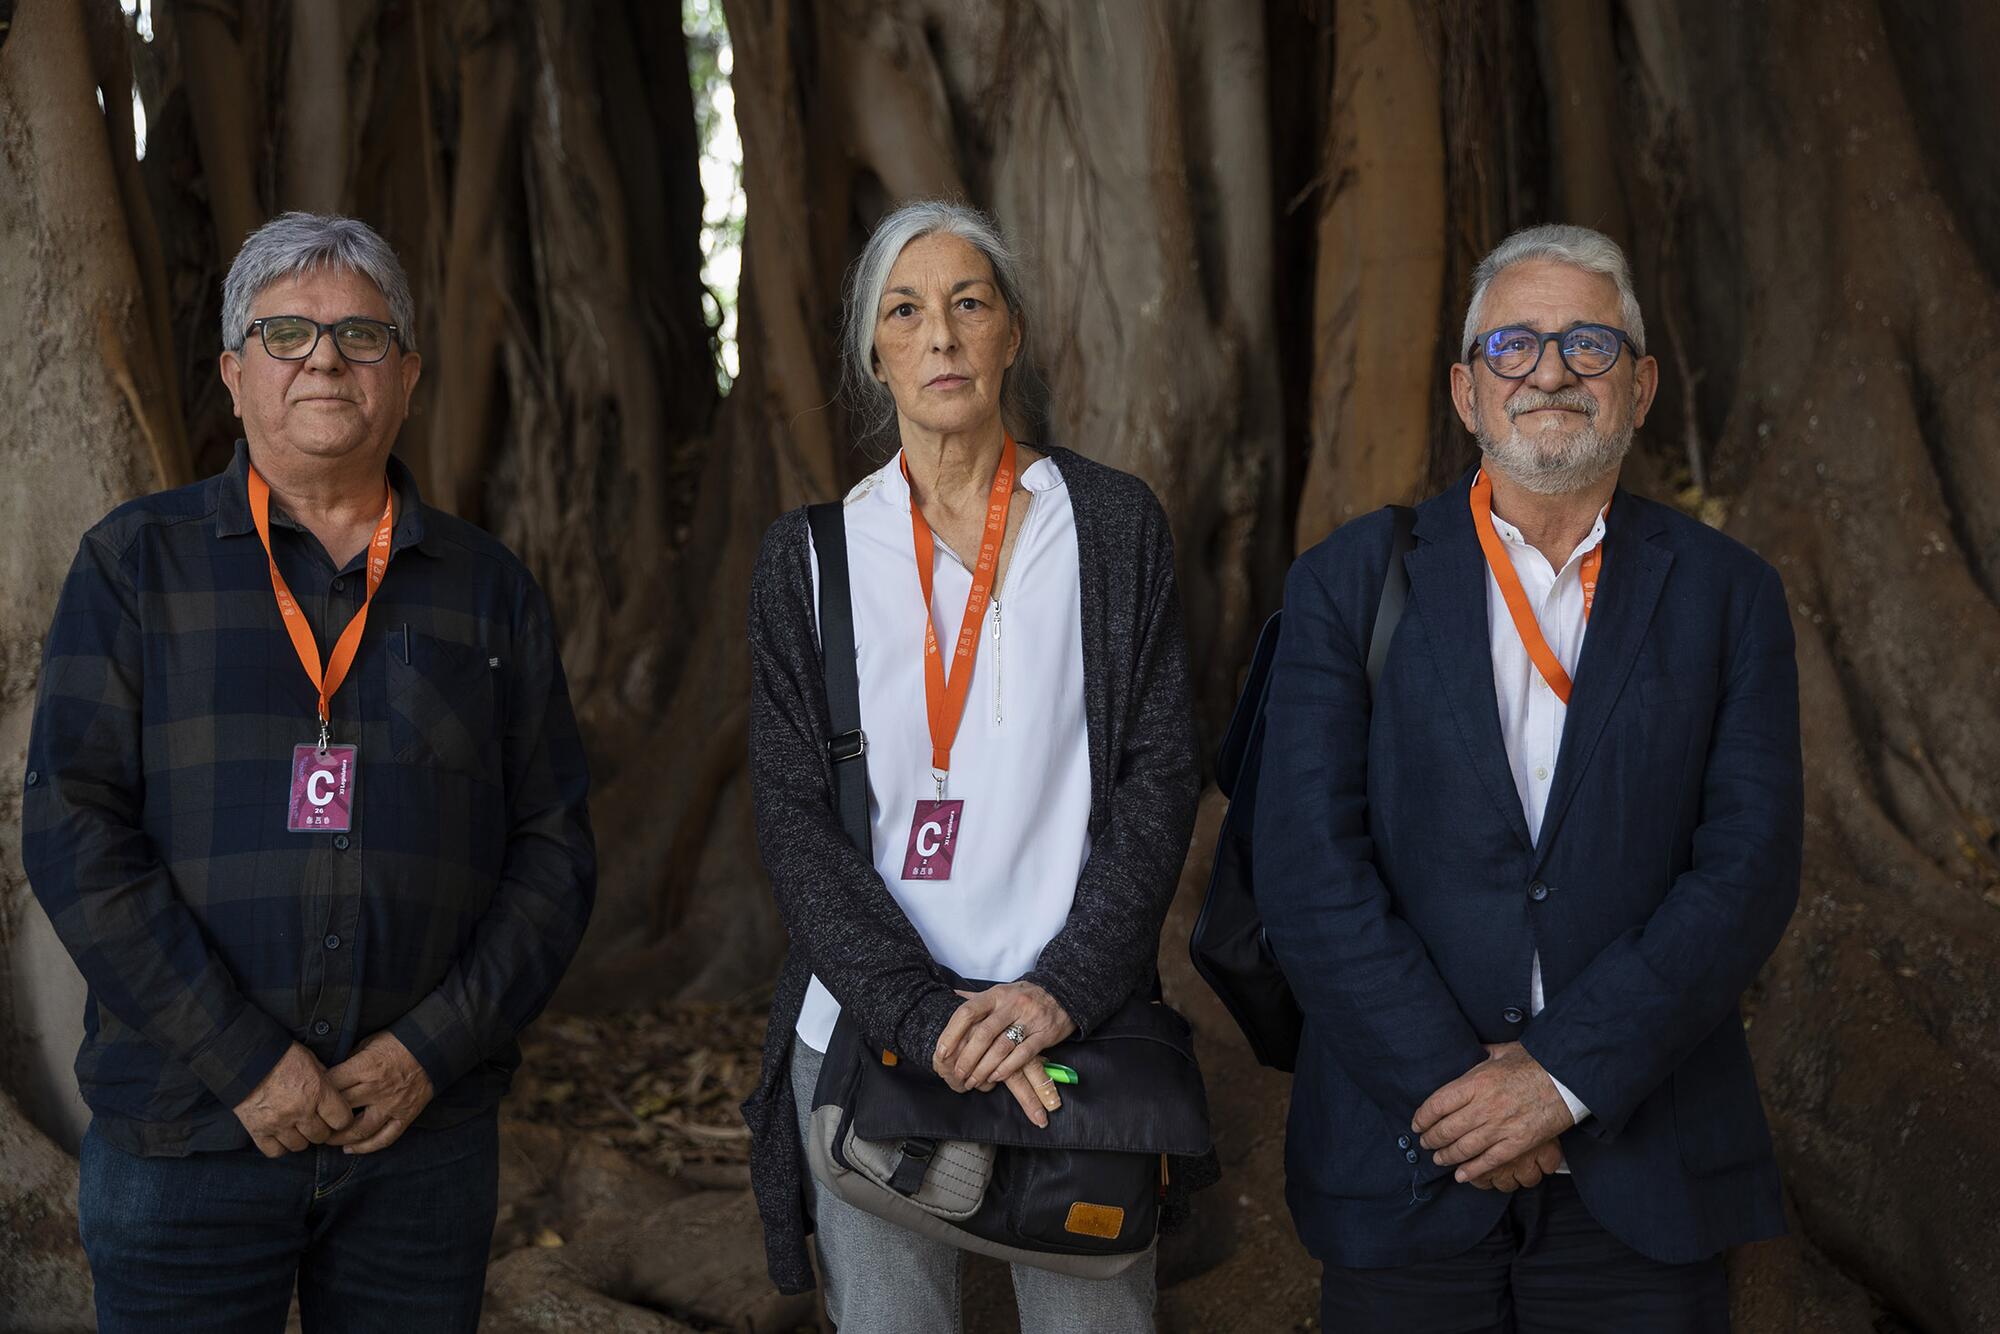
(1525, 1171)
(384, 1083)
(1492, 1114)
(295, 1105)
(975, 1052)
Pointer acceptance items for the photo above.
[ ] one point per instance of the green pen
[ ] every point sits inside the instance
(1061, 1074)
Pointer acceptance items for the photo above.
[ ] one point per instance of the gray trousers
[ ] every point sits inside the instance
(883, 1279)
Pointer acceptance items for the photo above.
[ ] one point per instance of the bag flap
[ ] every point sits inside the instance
(1138, 1090)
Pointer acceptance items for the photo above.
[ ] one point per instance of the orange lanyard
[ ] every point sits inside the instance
(1516, 597)
(946, 703)
(349, 642)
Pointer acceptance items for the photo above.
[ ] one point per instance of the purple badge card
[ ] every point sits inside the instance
(322, 790)
(933, 840)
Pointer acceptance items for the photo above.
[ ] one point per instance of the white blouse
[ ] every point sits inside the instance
(1021, 759)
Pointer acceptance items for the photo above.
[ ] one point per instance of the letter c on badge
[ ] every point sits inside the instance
(927, 844)
(319, 787)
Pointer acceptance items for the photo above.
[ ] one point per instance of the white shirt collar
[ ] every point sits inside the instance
(887, 483)
(1511, 535)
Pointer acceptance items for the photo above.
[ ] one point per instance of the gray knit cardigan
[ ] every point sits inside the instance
(844, 925)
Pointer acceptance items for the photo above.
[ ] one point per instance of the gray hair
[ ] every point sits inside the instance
(1580, 247)
(294, 243)
(873, 406)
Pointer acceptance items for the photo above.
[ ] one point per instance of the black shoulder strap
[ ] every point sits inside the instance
(1395, 592)
(847, 744)
(1247, 720)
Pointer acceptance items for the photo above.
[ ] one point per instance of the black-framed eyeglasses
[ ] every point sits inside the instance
(294, 337)
(1514, 351)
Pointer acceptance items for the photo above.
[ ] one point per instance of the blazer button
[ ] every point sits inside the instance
(33, 778)
(1402, 1141)
(1512, 1014)
(1538, 891)
(340, 841)
(1410, 1157)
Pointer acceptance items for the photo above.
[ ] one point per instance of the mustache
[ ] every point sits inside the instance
(1534, 400)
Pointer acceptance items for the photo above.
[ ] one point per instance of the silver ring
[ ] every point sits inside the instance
(1015, 1034)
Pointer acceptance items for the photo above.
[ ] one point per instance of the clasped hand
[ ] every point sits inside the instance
(976, 1053)
(1498, 1122)
(364, 1104)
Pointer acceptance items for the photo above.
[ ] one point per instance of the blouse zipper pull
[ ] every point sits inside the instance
(996, 662)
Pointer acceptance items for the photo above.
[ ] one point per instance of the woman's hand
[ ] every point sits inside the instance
(975, 1051)
(1037, 1093)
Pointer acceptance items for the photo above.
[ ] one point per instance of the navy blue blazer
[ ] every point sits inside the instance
(1406, 903)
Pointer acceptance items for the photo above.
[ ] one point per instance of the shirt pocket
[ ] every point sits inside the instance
(444, 705)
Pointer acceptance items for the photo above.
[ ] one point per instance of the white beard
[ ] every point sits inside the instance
(1554, 463)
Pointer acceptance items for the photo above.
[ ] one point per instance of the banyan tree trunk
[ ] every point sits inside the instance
(1250, 229)
(94, 418)
(1862, 437)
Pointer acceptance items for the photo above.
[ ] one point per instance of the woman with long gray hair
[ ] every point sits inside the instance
(1021, 664)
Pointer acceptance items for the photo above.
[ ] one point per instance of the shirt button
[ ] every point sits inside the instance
(33, 778)
(333, 942)
(1512, 1014)
(1538, 891)
(340, 585)
(322, 1028)
(340, 841)
(1541, 773)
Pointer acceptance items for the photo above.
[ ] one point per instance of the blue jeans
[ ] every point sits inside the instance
(393, 1241)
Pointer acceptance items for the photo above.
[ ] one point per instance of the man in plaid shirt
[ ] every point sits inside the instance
(306, 803)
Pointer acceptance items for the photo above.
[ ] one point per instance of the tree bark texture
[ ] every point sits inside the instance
(1250, 230)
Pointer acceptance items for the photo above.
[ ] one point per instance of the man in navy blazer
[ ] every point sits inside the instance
(1519, 892)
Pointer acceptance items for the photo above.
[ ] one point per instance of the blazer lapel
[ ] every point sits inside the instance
(1448, 596)
(1635, 570)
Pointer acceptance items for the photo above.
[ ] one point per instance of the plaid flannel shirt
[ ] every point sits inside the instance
(154, 811)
